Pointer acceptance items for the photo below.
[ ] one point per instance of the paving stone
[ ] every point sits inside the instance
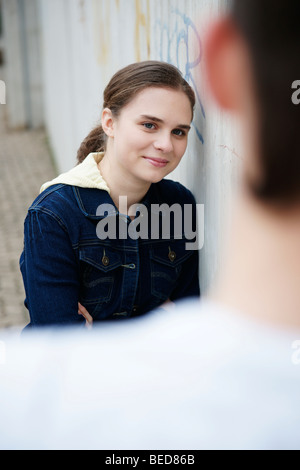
(25, 164)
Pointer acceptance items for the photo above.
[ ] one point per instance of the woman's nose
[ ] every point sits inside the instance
(164, 143)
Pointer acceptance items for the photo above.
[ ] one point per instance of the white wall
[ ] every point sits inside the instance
(22, 66)
(86, 41)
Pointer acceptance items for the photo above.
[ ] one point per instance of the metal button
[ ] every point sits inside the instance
(172, 256)
(105, 260)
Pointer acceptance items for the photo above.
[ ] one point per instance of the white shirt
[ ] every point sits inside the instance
(195, 377)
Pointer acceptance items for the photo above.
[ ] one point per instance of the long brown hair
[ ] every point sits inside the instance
(124, 86)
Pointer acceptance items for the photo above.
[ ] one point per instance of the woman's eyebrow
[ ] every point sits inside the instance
(156, 119)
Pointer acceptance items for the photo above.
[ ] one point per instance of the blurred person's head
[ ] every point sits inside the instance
(125, 86)
(252, 61)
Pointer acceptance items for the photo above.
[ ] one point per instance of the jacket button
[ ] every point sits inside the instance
(105, 261)
(172, 256)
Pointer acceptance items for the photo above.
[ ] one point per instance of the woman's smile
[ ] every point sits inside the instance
(157, 162)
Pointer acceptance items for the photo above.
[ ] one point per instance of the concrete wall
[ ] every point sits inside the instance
(22, 63)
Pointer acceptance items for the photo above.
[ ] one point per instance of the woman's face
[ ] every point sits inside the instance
(149, 137)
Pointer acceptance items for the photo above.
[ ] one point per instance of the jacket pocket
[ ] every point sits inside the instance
(166, 260)
(99, 267)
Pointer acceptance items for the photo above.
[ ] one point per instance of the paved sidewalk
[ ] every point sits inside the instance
(25, 164)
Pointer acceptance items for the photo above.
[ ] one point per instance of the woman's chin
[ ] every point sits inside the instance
(156, 177)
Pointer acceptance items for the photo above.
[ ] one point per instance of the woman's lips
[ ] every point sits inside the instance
(158, 162)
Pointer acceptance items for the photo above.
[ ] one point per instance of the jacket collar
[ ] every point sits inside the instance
(89, 200)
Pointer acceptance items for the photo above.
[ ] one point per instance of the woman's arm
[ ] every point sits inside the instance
(50, 271)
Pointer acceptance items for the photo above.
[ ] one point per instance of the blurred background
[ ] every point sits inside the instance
(56, 57)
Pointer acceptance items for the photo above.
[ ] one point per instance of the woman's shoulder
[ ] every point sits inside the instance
(66, 201)
(56, 203)
(56, 196)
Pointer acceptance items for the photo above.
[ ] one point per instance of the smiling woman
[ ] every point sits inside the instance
(146, 117)
(144, 148)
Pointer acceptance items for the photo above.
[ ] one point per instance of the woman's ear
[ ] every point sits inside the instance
(107, 122)
(227, 64)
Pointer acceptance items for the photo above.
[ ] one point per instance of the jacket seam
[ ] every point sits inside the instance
(50, 214)
(44, 194)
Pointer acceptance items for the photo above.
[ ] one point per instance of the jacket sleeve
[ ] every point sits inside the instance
(50, 271)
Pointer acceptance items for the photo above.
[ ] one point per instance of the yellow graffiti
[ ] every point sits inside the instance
(142, 24)
(82, 6)
(101, 30)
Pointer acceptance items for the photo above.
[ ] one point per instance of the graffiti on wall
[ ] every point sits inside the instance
(142, 24)
(179, 43)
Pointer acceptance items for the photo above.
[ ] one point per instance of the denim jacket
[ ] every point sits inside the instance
(65, 262)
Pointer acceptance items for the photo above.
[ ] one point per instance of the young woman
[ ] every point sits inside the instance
(105, 234)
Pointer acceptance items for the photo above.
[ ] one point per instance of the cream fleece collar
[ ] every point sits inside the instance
(84, 175)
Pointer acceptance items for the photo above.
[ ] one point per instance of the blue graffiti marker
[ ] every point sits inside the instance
(178, 37)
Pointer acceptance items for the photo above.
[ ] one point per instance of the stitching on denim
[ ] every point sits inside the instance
(50, 214)
(44, 194)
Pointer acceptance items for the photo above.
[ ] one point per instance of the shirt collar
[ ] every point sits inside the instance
(89, 200)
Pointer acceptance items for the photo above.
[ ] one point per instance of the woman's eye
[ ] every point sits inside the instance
(149, 125)
(178, 132)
